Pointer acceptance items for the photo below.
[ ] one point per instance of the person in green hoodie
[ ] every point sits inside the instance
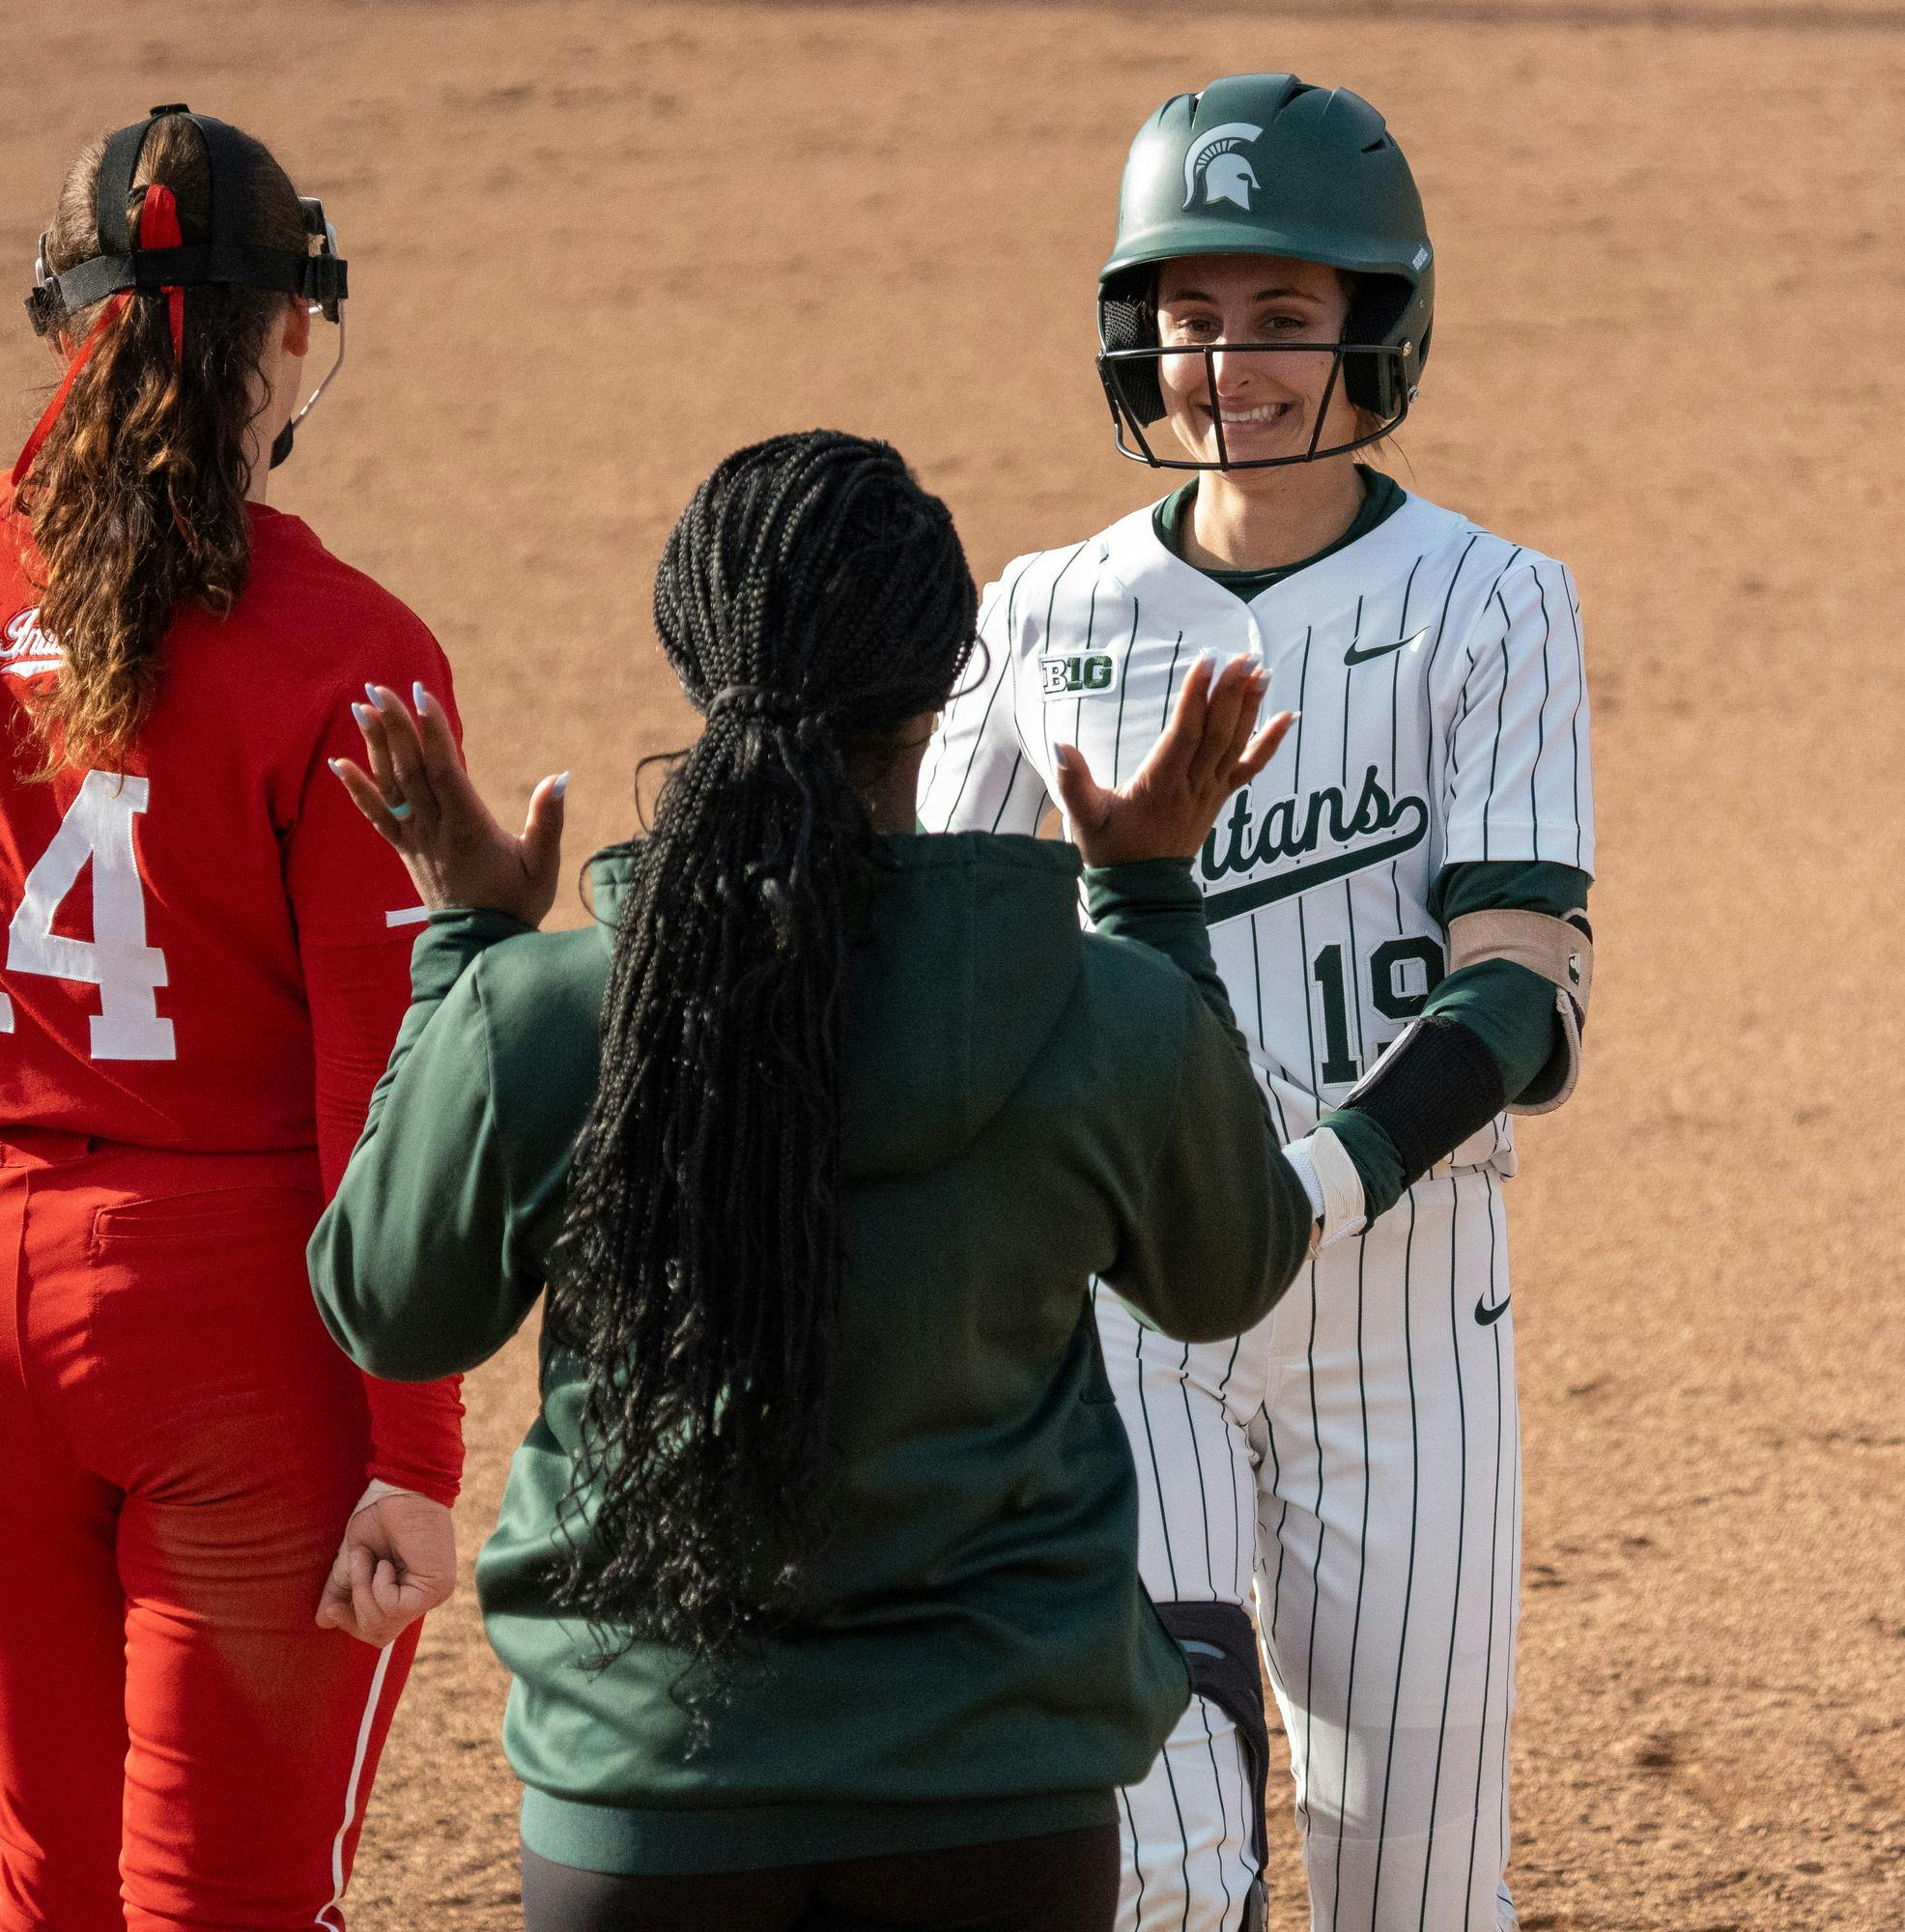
(816, 1573)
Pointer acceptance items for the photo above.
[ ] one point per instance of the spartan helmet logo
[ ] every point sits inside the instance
(1227, 175)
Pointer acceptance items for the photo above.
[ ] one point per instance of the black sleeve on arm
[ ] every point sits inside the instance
(1430, 1091)
(1496, 1006)
(1433, 1088)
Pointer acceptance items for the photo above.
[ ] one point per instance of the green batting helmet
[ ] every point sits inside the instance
(1265, 165)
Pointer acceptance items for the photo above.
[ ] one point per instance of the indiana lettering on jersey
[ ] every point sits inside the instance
(25, 649)
(1376, 828)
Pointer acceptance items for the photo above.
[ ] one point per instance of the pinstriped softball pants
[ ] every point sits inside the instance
(1350, 1470)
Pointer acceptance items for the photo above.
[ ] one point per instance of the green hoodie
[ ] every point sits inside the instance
(1031, 1105)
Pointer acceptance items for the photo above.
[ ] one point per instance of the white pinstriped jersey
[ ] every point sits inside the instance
(1439, 674)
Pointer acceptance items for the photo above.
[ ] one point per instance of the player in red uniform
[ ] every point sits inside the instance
(203, 963)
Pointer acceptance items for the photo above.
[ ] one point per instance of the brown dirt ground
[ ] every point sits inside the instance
(595, 246)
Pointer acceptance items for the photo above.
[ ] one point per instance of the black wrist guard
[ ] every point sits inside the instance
(1433, 1088)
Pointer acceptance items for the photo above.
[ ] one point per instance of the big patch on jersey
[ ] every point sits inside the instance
(25, 649)
(1083, 675)
(1307, 842)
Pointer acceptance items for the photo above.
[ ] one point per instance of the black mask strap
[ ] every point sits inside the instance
(226, 259)
(112, 189)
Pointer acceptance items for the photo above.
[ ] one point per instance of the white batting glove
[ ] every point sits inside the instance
(1330, 1179)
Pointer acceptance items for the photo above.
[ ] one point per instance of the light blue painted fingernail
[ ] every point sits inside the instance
(363, 714)
(420, 699)
(561, 786)
(337, 765)
(371, 691)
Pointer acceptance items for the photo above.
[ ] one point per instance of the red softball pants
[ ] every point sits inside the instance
(181, 1444)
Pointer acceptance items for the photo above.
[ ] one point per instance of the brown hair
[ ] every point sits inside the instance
(136, 497)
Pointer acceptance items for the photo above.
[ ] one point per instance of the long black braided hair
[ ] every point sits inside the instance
(811, 597)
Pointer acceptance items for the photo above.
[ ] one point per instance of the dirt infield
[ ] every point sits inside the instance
(594, 246)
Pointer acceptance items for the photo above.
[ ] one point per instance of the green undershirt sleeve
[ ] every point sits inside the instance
(1508, 1007)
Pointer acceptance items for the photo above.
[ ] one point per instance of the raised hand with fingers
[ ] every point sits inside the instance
(418, 795)
(1171, 802)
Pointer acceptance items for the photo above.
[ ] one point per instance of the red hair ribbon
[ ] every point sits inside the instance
(114, 310)
(159, 228)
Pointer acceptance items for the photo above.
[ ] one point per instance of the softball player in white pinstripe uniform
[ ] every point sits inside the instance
(1398, 909)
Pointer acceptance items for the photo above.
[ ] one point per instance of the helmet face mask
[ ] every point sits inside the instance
(1135, 393)
(1263, 165)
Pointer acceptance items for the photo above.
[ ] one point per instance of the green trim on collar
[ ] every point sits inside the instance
(1383, 497)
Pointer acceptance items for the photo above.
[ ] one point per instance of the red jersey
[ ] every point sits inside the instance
(210, 952)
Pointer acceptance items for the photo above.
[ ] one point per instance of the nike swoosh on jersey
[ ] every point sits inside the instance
(1260, 892)
(1488, 1316)
(1362, 654)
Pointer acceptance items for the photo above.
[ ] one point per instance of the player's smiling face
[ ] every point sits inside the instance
(1268, 402)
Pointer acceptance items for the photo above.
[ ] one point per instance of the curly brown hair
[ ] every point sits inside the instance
(136, 498)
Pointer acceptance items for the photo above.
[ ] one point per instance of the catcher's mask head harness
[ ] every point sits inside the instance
(1266, 164)
(227, 259)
